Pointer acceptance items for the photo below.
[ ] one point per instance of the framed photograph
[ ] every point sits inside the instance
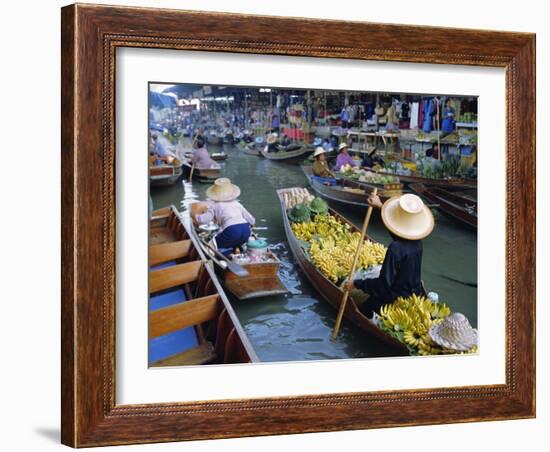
(282, 225)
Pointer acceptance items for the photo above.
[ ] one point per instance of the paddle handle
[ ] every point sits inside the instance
(352, 272)
(193, 166)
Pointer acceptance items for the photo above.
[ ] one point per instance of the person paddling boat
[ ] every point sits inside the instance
(408, 221)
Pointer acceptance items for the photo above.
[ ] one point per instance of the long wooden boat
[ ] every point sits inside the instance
(186, 153)
(164, 175)
(349, 192)
(248, 148)
(443, 183)
(203, 175)
(219, 156)
(328, 291)
(451, 204)
(262, 279)
(191, 321)
(300, 153)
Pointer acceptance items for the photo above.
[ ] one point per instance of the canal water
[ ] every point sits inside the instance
(298, 325)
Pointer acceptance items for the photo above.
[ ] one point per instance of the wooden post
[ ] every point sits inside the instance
(352, 272)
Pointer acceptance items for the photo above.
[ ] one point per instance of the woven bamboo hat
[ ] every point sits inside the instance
(407, 217)
(272, 138)
(454, 333)
(223, 190)
(318, 151)
(342, 145)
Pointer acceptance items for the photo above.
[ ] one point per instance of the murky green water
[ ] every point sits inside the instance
(297, 326)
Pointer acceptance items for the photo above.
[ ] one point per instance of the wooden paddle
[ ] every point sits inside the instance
(352, 272)
(193, 166)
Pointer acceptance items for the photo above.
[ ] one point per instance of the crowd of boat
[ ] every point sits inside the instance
(192, 320)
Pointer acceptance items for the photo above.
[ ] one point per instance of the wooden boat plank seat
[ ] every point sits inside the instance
(182, 315)
(164, 252)
(174, 276)
(161, 235)
(201, 354)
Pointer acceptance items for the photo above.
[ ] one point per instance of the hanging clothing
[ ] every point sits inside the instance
(414, 115)
(448, 124)
(429, 111)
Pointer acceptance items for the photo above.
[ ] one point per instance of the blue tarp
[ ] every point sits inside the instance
(161, 100)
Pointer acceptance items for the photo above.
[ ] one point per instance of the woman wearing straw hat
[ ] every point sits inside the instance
(320, 165)
(343, 157)
(229, 214)
(272, 142)
(408, 221)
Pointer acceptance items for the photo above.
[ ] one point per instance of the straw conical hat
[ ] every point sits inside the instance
(272, 138)
(407, 217)
(342, 145)
(223, 190)
(454, 333)
(318, 151)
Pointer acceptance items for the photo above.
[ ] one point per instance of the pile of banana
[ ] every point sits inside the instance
(409, 320)
(333, 246)
(294, 196)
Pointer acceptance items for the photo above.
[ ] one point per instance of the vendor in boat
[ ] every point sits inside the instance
(371, 159)
(433, 152)
(285, 140)
(200, 158)
(275, 124)
(247, 137)
(344, 158)
(320, 164)
(408, 221)
(158, 148)
(224, 210)
(272, 143)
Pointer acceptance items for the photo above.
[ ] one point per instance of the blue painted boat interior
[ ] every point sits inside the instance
(178, 341)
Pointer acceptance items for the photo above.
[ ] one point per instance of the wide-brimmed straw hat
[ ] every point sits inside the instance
(407, 217)
(342, 146)
(318, 151)
(223, 190)
(271, 138)
(454, 333)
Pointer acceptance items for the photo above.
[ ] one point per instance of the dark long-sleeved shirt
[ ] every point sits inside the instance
(400, 275)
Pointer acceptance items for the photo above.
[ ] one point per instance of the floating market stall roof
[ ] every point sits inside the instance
(161, 100)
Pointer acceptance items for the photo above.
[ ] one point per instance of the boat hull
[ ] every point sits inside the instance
(287, 156)
(347, 192)
(190, 318)
(452, 205)
(164, 175)
(331, 293)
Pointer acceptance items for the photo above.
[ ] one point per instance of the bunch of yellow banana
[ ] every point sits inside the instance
(413, 317)
(333, 246)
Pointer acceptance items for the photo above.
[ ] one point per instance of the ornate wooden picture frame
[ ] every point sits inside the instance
(90, 37)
